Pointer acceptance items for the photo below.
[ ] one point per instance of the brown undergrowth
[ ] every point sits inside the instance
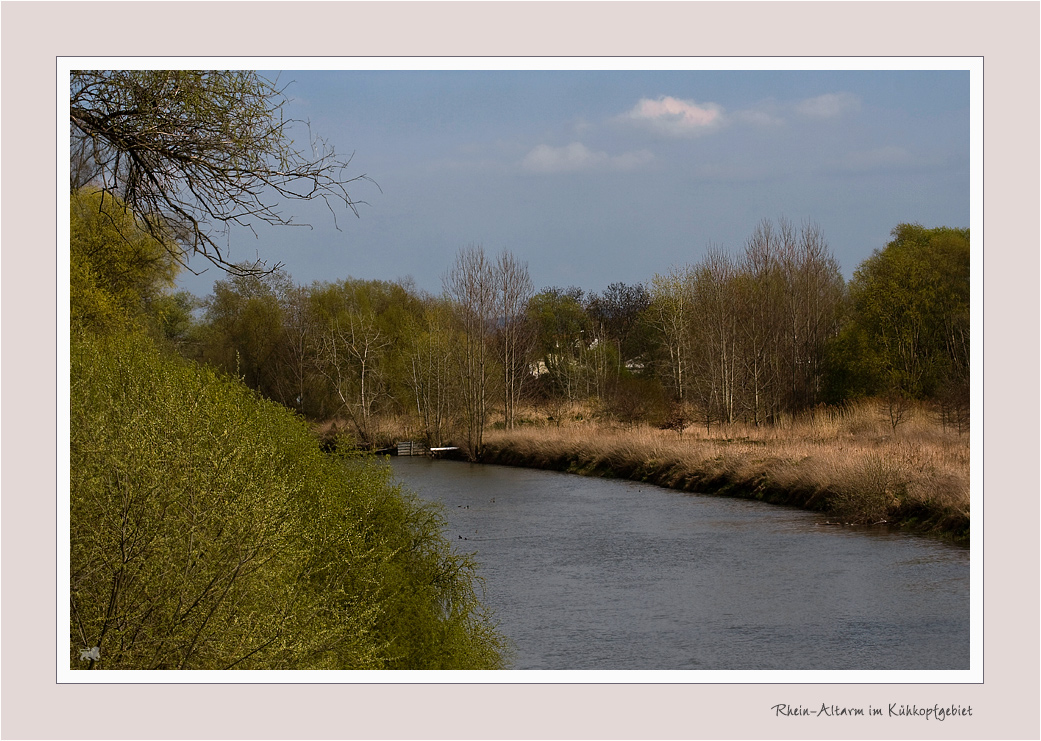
(848, 463)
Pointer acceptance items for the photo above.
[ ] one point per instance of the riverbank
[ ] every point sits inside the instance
(843, 463)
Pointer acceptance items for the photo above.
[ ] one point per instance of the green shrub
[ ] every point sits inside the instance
(209, 530)
(118, 272)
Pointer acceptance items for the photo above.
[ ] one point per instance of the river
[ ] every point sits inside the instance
(588, 573)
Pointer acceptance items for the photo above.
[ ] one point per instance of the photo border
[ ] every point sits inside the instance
(972, 65)
(1004, 34)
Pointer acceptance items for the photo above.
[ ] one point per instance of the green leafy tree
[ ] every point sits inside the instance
(243, 328)
(617, 313)
(119, 272)
(908, 330)
(354, 343)
(174, 317)
(564, 333)
(192, 152)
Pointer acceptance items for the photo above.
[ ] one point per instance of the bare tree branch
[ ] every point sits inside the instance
(194, 152)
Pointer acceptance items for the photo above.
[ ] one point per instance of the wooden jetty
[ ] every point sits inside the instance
(409, 447)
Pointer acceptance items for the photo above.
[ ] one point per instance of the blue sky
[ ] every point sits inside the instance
(593, 177)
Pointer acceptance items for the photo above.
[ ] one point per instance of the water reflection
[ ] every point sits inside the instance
(589, 573)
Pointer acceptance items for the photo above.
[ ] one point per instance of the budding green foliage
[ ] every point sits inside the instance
(118, 270)
(210, 531)
(908, 329)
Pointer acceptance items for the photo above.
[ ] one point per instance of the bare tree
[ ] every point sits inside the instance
(192, 152)
(514, 290)
(813, 290)
(671, 313)
(471, 286)
(759, 323)
(714, 280)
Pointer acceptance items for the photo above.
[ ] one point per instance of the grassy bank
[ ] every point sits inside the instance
(210, 531)
(848, 463)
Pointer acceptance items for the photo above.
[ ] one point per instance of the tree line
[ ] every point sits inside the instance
(756, 338)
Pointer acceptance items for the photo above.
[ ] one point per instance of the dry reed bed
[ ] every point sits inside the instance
(846, 463)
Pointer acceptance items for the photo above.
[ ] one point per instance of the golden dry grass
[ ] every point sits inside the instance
(849, 462)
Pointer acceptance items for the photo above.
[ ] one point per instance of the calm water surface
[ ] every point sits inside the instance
(587, 573)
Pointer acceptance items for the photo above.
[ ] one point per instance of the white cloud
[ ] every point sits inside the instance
(829, 105)
(675, 117)
(576, 156)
